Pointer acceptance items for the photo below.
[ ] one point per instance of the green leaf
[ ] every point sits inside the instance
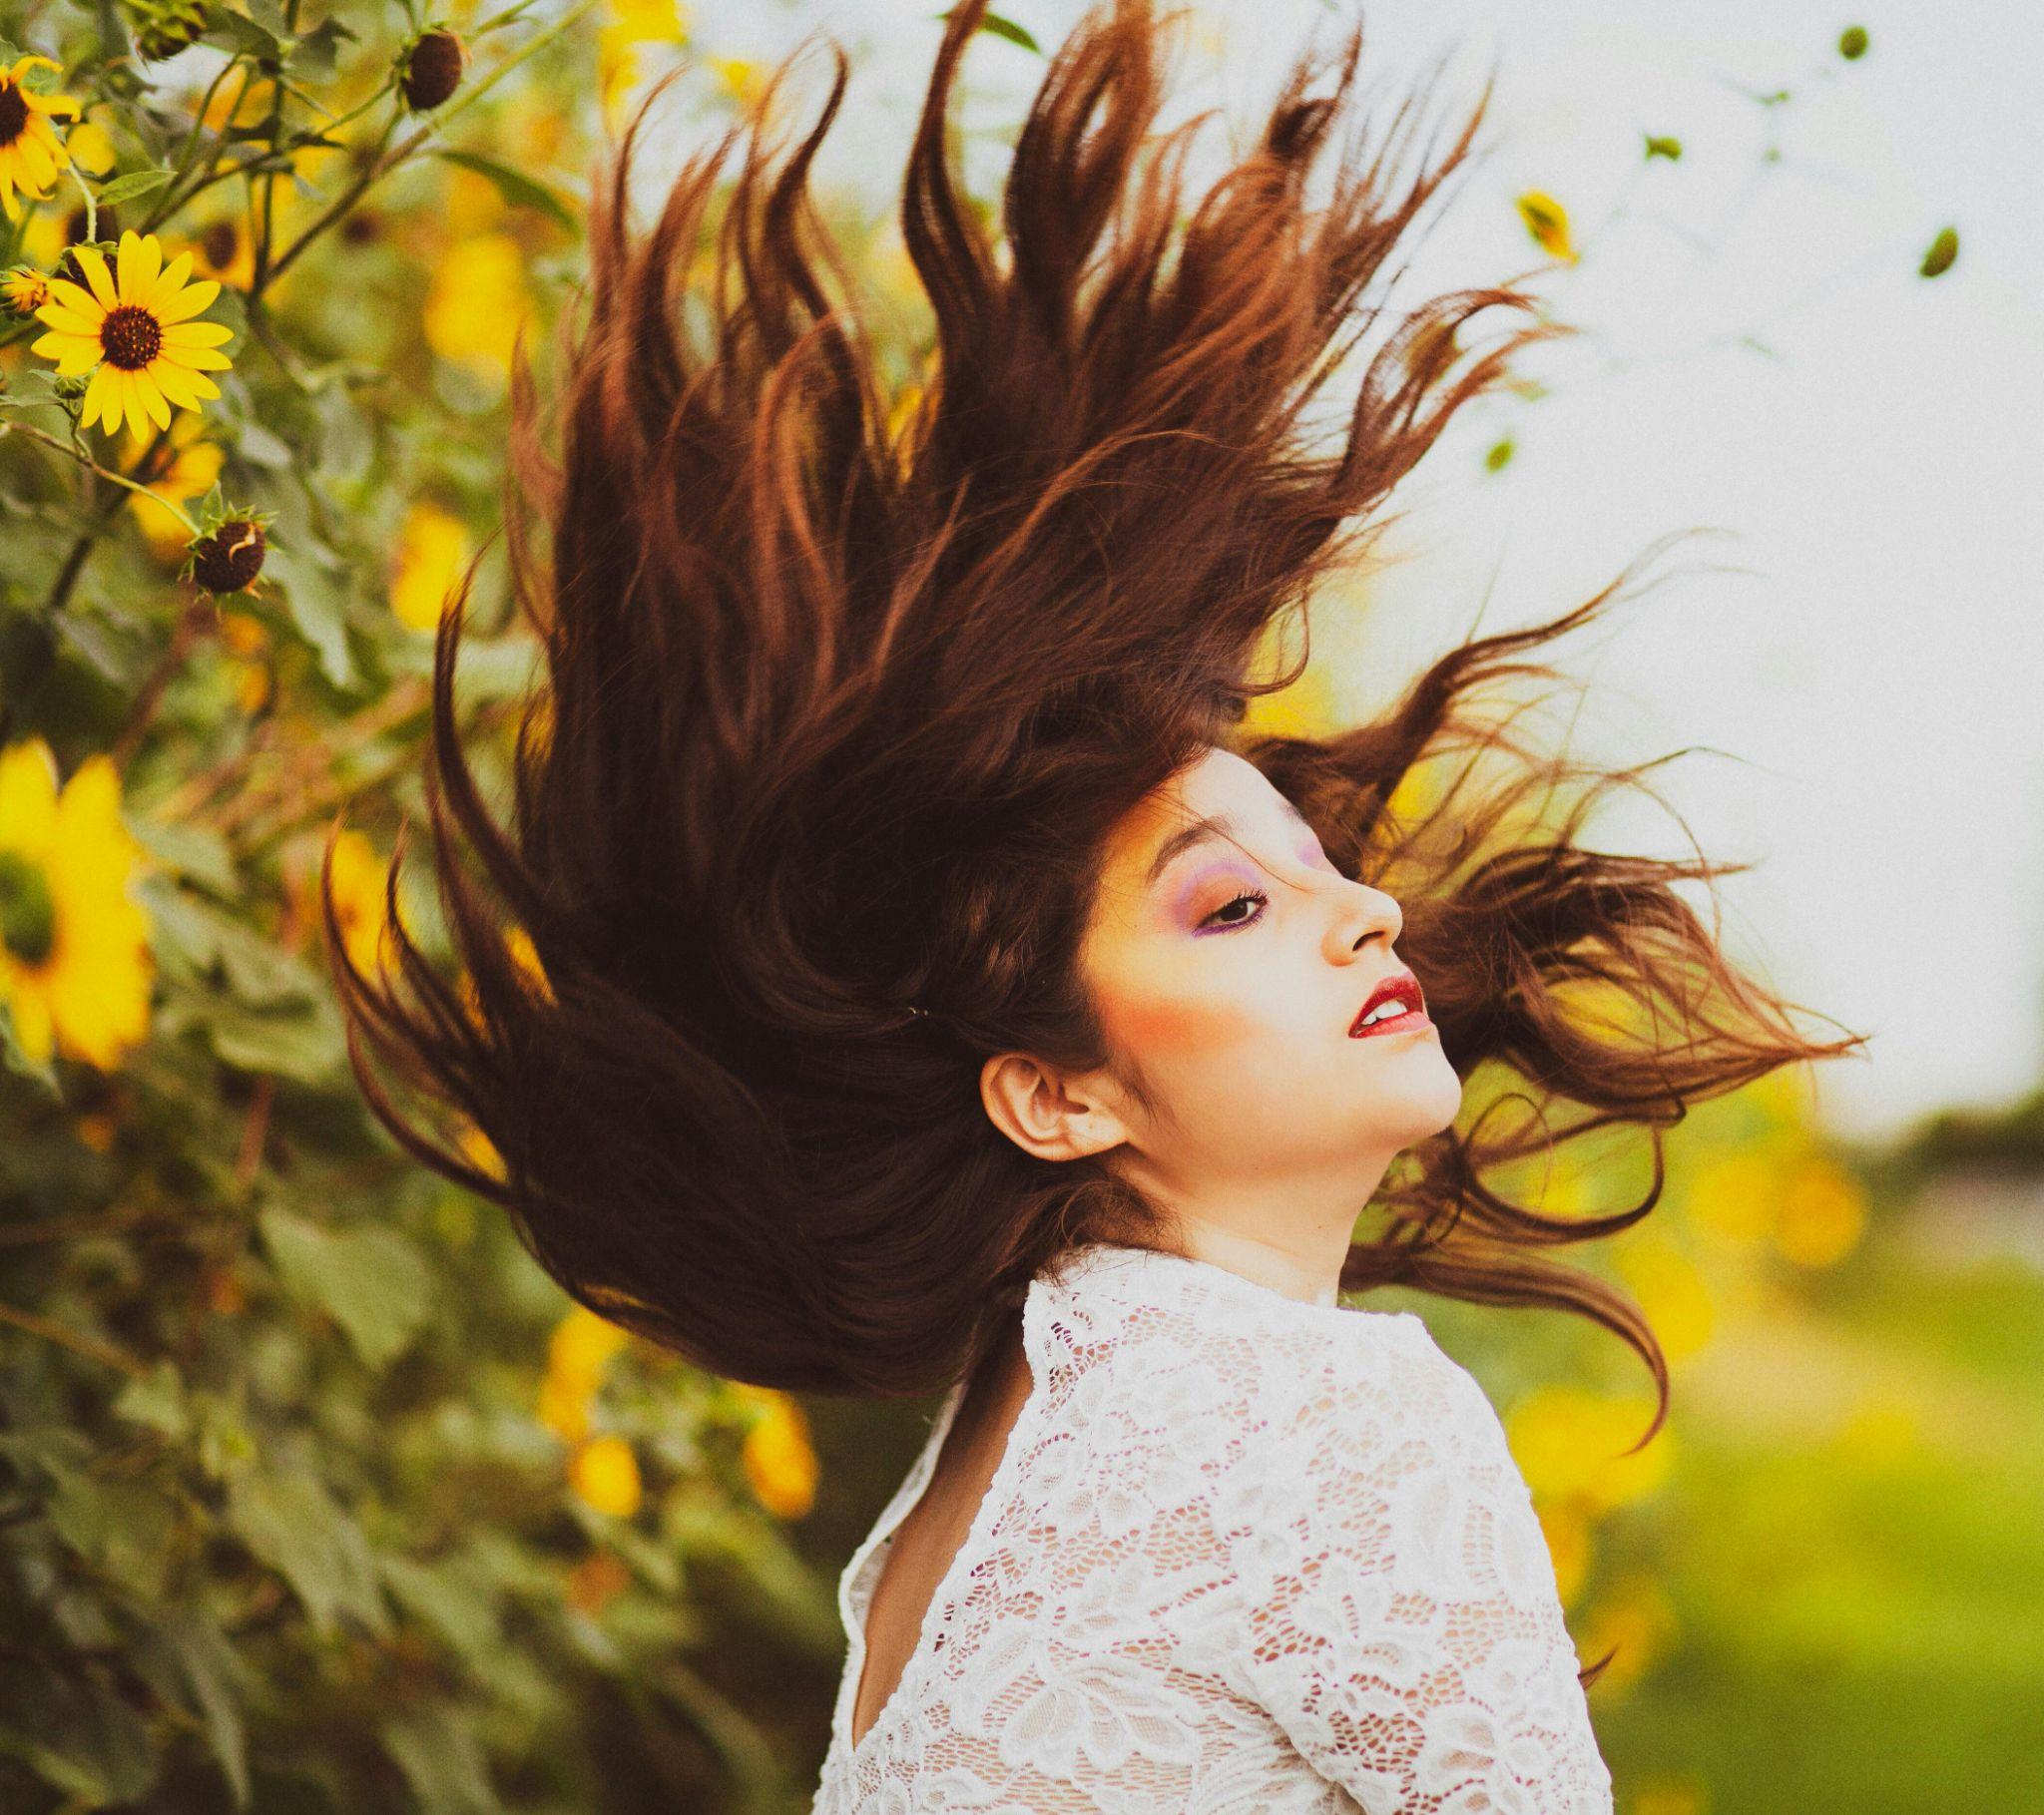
(80, 1738)
(157, 1400)
(442, 1760)
(135, 182)
(449, 1599)
(188, 1645)
(288, 1519)
(121, 1527)
(305, 1043)
(196, 851)
(1001, 28)
(318, 608)
(370, 1279)
(519, 190)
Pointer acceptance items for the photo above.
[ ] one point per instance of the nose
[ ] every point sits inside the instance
(1365, 914)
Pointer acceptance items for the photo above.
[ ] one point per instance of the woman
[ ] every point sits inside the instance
(932, 988)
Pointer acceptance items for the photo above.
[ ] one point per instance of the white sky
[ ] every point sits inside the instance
(1870, 646)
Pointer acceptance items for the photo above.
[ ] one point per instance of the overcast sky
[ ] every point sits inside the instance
(1861, 633)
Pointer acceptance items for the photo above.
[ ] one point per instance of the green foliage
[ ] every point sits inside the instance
(284, 1522)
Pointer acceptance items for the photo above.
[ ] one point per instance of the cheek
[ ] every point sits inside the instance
(1159, 1025)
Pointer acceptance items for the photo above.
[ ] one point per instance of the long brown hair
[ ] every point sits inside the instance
(835, 722)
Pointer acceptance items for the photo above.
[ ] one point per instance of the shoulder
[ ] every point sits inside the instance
(1387, 1452)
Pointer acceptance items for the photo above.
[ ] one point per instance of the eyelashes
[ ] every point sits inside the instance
(1213, 923)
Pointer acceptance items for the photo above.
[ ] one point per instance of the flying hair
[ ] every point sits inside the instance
(810, 805)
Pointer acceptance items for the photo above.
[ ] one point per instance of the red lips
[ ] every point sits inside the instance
(1404, 986)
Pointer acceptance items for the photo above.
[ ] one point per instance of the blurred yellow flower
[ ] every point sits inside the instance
(582, 1346)
(26, 290)
(359, 876)
(1303, 710)
(1418, 793)
(577, 1352)
(91, 151)
(744, 80)
(605, 1475)
(1822, 1214)
(224, 250)
(1638, 1618)
(1669, 1795)
(518, 945)
(133, 334)
(633, 23)
(1548, 222)
(1568, 1545)
(75, 963)
(191, 473)
(225, 108)
(1569, 1444)
(481, 1152)
(779, 1462)
(31, 153)
(1669, 1288)
(477, 302)
(1734, 1198)
(433, 549)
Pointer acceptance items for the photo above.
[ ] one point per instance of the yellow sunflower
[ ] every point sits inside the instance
(25, 289)
(144, 355)
(31, 153)
(75, 962)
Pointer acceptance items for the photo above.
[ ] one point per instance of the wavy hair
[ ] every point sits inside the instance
(837, 718)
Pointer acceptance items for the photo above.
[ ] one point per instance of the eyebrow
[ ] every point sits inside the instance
(1197, 831)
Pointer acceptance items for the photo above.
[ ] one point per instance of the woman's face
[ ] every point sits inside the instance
(1228, 961)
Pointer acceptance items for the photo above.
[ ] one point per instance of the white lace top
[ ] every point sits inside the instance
(1240, 1554)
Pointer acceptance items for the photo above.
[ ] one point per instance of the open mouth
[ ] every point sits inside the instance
(1395, 1006)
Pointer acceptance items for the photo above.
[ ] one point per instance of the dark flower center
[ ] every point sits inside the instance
(13, 113)
(28, 915)
(131, 337)
(217, 243)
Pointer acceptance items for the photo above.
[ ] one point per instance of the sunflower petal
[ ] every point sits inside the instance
(77, 299)
(198, 333)
(98, 397)
(132, 267)
(69, 321)
(197, 358)
(94, 264)
(167, 285)
(70, 354)
(152, 399)
(188, 301)
(181, 386)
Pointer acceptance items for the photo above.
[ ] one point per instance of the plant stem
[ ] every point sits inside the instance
(65, 447)
(384, 165)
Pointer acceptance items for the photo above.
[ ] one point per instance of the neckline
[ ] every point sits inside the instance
(1144, 1274)
(1170, 1272)
(936, 1615)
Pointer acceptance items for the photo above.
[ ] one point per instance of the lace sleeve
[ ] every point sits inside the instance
(1403, 1626)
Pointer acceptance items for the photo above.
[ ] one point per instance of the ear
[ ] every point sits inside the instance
(1051, 1113)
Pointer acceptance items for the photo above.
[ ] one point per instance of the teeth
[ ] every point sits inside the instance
(1385, 1011)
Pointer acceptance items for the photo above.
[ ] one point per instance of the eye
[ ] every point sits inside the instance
(1215, 921)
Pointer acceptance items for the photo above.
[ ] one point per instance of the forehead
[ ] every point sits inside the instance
(1220, 783)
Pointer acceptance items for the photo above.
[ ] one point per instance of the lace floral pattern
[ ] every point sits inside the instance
(1240, 1554)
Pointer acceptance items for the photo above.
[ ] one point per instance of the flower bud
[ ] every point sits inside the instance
(229, 560)
(433, 69)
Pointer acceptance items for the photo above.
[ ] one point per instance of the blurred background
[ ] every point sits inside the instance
(317, 1495)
